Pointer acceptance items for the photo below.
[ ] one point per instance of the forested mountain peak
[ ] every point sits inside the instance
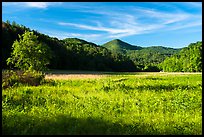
(77, 41)
(118, 45)
(75, 53)
(69, 54)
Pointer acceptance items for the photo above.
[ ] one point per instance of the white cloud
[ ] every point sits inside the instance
(97, 28)
(37, 4)
(163, 17)
(122, 29)
(188, 25)
(126, 22)
(40, 5)
(117, 27)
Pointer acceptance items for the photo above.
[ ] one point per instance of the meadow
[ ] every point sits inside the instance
(111, 103)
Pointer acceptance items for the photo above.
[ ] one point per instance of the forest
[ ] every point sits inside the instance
(116, 55)
(189, 59)
(47, 90)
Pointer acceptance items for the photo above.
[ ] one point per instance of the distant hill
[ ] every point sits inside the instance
(115, 55)
(69, 54)
(189, 59)
(151, 56)
(77, 41)
(162, 49)
(141, 56)
(117, 45)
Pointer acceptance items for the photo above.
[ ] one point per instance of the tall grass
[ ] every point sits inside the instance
(118, 104)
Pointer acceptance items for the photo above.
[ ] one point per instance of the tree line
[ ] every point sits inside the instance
(71, 53)
(144, 58)
(78, 54)
(189, 59)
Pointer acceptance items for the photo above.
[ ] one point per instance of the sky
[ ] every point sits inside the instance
(168, 24)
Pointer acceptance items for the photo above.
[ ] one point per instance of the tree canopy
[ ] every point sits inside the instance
(29, 54)
(189, 59)
(78, 54)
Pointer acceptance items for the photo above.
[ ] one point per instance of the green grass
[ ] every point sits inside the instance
(117, 104)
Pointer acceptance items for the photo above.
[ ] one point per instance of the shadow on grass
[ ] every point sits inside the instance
(61, 72)
(66, 125)
(153, 78)
(169, 87)
(154, 88)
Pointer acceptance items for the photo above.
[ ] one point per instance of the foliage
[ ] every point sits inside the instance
(29, 54)
(123, 104)
(84, 55)
(189, 59)
(151, 56)
(117, 45)
(11, 78)
(141, 56)
(116, 55)
(73, 53)
(9, 35)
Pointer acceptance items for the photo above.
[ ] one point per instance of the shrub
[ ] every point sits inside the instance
(11, 78)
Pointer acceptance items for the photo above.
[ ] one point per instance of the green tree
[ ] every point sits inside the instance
(189, 59)
(29, 54)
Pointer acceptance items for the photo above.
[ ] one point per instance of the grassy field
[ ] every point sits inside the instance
(106, 103)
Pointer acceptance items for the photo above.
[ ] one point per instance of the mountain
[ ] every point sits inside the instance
(118, 45)
(77, 41)
(115, 55)
(141, 56)
(69, 54)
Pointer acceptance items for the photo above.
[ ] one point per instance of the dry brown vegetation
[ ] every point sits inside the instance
(73, 76)
(93, 74)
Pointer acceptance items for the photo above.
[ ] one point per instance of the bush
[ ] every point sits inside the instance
(151, 69)
(11, 78)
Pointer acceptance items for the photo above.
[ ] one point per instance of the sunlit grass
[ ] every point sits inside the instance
(117, 104)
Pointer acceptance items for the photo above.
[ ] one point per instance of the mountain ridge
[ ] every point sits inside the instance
(79, 54)
(120, 46)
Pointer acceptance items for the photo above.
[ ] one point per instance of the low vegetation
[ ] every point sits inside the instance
(120, 103)
(11, 78)
(35, 102)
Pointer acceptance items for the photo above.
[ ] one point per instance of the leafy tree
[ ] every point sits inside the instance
(189, 59)
(116, 55)
(29, 54)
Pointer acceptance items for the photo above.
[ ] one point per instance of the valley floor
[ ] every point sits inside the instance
(81, 103)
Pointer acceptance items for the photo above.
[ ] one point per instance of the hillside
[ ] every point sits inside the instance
(117, 45)
(70, 53)
(189, 59)
(115, 55)
(151, 56)
(77, 41)
(141, 56)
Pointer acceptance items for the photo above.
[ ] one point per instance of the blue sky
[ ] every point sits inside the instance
(169, 24)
